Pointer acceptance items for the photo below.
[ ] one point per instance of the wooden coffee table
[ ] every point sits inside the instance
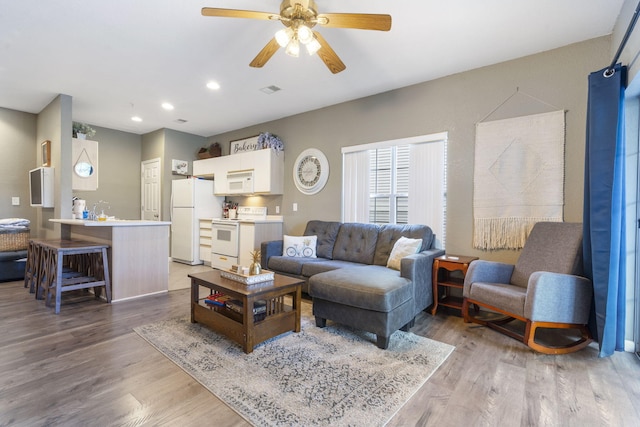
(282, 315)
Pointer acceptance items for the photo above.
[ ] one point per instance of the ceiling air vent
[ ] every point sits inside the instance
(270, 89)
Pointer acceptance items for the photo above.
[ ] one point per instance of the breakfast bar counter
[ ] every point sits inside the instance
(138, 253)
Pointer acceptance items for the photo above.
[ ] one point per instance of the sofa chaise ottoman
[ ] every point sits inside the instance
(350, 280)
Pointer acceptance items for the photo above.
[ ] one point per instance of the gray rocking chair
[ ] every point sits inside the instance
(544, 289)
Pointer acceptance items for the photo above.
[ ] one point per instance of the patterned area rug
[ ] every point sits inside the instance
(333, 376)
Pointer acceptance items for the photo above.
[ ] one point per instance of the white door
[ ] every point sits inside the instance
(150, 208)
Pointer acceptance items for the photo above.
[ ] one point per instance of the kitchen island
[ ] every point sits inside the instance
(138, 253)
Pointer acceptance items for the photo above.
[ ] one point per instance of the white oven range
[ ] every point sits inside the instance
(225, 237)
(226, 240)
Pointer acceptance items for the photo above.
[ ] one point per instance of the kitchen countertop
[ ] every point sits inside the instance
(111, 223)
(138, 252)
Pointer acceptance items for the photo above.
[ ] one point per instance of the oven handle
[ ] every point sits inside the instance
(224, 225)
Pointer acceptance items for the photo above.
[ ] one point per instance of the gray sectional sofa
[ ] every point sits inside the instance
(349, 280)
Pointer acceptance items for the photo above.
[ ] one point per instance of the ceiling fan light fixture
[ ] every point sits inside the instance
(299, 17)
(313, 46)
(305, 35)
(293, 48)
(284, 36)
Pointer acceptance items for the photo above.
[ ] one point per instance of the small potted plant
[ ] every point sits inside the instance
(82, 131)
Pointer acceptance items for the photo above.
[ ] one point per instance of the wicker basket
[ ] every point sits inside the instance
(14, 240)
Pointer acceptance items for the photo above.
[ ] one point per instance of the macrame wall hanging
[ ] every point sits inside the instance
(518, 176)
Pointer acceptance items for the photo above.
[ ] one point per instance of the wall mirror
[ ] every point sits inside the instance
(84, 153)
(83, 169)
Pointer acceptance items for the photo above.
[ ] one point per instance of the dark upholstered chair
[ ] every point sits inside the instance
(544, 289)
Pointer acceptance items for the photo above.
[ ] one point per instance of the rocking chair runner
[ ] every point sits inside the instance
(544, 289)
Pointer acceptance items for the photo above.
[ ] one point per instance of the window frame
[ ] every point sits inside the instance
(393, 196)
(439, 225)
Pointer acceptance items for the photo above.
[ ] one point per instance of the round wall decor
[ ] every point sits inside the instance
(83, 169)
(311, 171)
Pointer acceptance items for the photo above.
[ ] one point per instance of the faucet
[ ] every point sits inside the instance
(93, 216)
(92, 213)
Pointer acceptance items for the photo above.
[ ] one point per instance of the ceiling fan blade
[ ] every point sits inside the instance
(328, 56)
(236, 13)
(360, 21)
(265, 54)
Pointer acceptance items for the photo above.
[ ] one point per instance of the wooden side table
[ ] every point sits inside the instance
(443, 266)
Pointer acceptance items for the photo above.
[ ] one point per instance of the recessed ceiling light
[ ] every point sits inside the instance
(136, 119)
(167, 106)
(213, 85)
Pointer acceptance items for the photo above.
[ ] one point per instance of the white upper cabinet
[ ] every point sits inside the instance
(206, 168)
(267, 166)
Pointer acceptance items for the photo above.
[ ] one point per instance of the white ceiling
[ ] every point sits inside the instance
(117, 58)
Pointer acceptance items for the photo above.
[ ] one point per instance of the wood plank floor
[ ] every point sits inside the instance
(86, 366)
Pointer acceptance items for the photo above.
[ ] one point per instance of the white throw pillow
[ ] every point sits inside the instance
(299, 246)
(402, 248)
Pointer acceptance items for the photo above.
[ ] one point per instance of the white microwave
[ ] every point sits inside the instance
(240, 182)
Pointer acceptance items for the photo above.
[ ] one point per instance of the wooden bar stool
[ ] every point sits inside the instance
(46, 270)
(32, 273)
(86, 267)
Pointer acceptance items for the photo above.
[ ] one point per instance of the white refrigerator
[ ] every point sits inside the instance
(191, 200)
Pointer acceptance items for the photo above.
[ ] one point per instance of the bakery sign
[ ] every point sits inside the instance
(244, 145)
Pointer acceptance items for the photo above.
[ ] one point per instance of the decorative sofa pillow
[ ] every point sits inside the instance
(299, 246)
(402, 248)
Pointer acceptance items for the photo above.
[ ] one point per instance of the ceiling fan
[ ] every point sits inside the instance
(299, 17)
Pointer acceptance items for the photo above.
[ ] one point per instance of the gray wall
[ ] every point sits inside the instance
(18, 146)
(119, 157)
(21, 135)
(179, 146)
(453, 104)
(168, 144)
(54, 124)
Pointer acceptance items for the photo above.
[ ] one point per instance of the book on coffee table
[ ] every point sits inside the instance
(259, 308)
(217, 298)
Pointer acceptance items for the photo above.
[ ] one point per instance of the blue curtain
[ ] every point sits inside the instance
(604, 204)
